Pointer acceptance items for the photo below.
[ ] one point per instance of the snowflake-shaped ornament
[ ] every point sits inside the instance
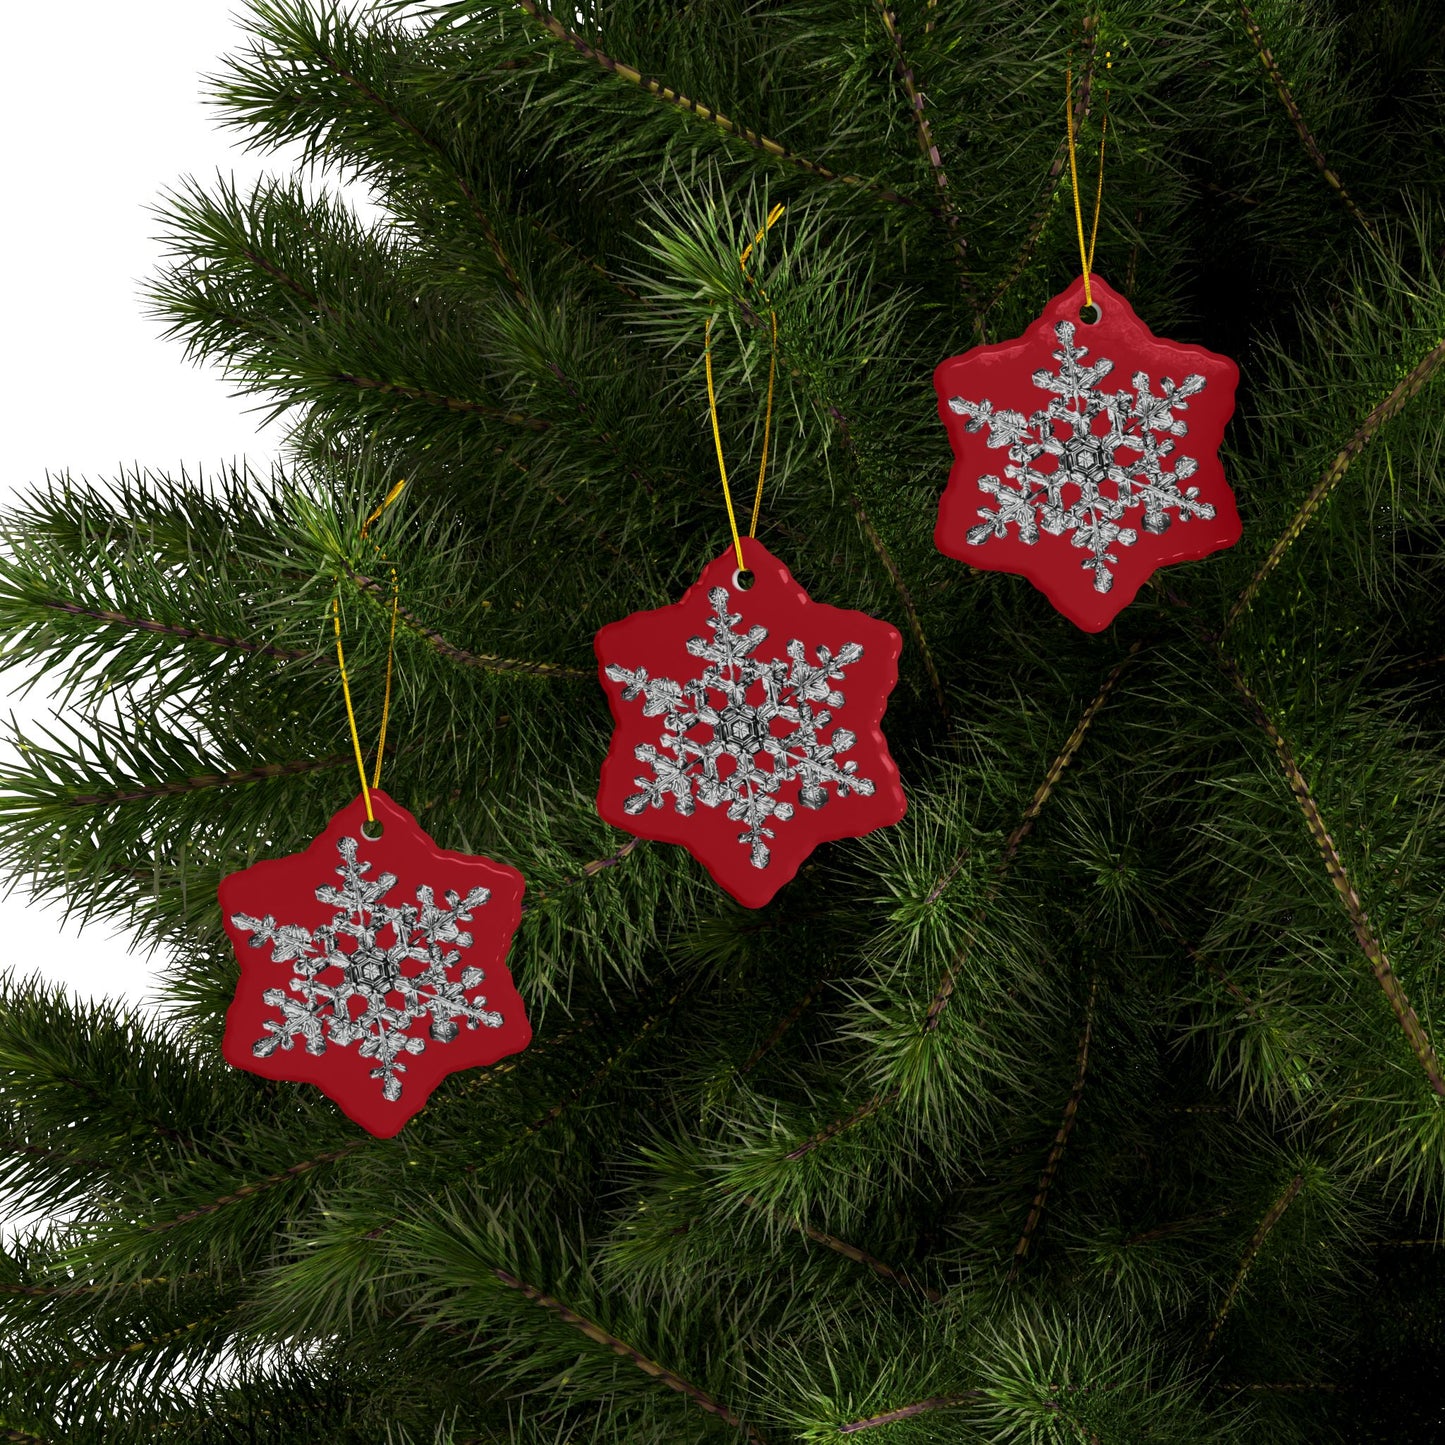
(1107, 438)
(373, 967)
(748, 724)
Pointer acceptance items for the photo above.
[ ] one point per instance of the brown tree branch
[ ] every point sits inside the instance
(171, 629)
(1011, 844)
(850, 1251)
(487, 662)
(1061, 1138)
(598, 1335)
(1175, 1226)
(839, 1126)
(398, 118)
(910, 1412)
(50, 1291)
(263, 773)
(915, 626)
(246, 1191)
(1364, 931)
(1409, 387)
(1291, 106)
(436, 398)
(1041, 796)
(558, 31)
(1272, 1217)
(928, 145)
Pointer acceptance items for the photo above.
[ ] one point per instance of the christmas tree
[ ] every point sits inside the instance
(1100, 1099)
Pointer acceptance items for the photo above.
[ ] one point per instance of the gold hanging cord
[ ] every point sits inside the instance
(1086, 253)
(767, 417)
(375, 782)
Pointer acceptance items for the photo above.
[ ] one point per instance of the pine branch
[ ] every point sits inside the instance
(911, 1412)
(568, 1100)
(247, 1191)
(284, 278)
(54, 1156)
(558, 31)
(1200, 961)
(1272, 1217)
(64, 1291)
(660, 1373)
(947, 983)
(1175, 1226)
(840, 1126)
(437, 399)
(895, 575)
(1419, 664)
(487, 662)
(775, 1036)
(1025, 825)
(1291, 106)
(475, 1079)
(1083, 100)
(599, 431)
(264, 773)
(929, 147)
(1061, 1139)
(1364, 932)
(1408, 388)
(77, 1363)
(589, 870)
(861, 1256)
(403, 121)
(167, 629)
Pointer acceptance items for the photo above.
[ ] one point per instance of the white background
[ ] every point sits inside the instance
(99, 120)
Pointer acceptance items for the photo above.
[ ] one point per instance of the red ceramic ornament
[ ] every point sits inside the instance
(747, 724)
(373, 968)
(1103, 478)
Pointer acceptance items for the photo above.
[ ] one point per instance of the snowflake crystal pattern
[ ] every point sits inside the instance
(372, 976)
(1102, 484)
(1070, 496)
(741, 761)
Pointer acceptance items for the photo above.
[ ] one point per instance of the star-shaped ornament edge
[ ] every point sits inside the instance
(284, 889)
(1003, 373)
(658, 640)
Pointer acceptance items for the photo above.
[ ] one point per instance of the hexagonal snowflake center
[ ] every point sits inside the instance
(1085, 458)
(1057, 447)
(741, 727)
(371, 971)
(321, 1013)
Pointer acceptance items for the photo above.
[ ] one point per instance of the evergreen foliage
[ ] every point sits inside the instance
(1098, 1101)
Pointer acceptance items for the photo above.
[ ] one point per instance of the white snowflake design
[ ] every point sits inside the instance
(1137, 422)
(688, 769)
(371, 972)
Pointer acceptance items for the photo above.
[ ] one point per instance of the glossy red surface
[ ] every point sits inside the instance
(659, 643)
(285, 889)
(1004, 376)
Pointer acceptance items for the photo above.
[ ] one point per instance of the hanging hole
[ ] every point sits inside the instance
(372, 829)
(1090, 315)
(743, 580)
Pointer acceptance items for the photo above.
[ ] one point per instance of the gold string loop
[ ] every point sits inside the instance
(773, 215)
(1086, 253)
(366, 788)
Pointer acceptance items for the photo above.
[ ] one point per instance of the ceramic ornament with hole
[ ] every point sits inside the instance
(747, 724)
(1086, 455)
(373, 967)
